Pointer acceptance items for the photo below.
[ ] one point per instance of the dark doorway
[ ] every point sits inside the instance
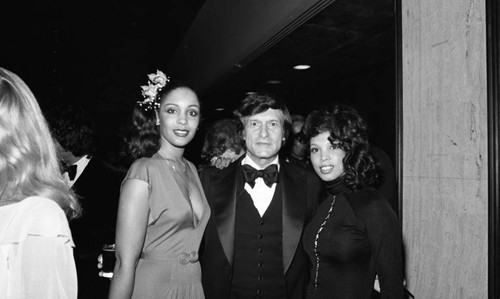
(493, 65)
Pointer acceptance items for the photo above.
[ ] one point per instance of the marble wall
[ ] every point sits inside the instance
(445, 196)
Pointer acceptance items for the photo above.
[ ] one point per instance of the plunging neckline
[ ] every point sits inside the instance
(180, 180)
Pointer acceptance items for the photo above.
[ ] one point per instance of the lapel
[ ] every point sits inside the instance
(294, 193)
(84, 181)
(224, 208)
(293, 196)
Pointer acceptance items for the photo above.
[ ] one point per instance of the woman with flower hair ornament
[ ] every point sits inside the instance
(163, 211)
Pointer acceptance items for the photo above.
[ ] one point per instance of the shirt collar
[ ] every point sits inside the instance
(83, 161)
(247, 160)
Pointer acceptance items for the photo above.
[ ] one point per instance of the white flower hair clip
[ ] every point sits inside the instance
(150, 92)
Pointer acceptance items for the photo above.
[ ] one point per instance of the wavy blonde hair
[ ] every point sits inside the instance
(28, 158)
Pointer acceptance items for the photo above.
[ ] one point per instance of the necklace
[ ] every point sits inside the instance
(178, 166)
(183, 177)
(180, 172)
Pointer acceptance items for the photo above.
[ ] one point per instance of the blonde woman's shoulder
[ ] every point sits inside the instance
(33, 216)
(45, 217)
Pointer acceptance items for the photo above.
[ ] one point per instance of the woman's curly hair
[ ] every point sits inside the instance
(347, 127)
(221, 136)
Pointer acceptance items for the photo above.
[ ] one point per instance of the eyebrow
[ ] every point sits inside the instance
(254, 119)
(175, 105)
(170, 104)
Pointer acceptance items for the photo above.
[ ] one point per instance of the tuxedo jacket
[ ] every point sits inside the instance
(98, 190)
(300, 194)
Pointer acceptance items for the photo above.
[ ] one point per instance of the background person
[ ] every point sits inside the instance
(36, 248)
(97, 185)
(222, 143)
(354, 235)
(252, 244)
(297, 150)
(163, 211)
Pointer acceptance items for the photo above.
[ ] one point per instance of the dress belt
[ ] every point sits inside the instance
(183, 258)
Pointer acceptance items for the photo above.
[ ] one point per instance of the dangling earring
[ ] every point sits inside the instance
(157, 118)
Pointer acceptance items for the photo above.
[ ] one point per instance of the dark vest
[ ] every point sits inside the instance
(258, 254)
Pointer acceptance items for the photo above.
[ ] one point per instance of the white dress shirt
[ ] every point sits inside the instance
(80, 167)
(261, 194)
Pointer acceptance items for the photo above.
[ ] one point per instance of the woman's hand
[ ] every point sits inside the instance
(220, 162)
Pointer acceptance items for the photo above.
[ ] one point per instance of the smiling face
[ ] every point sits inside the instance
(179, 116)
(326, 158)
(264, 135)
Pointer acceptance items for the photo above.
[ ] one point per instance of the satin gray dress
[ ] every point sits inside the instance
(169, 267)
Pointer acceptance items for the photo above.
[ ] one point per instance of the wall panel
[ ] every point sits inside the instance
(445, 148)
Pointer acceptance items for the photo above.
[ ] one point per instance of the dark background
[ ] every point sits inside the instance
(96, 54)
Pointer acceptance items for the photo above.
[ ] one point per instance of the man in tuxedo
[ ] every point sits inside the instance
(97, 185)
(260, 204)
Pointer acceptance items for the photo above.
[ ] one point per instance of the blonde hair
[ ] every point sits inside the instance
(28, 158)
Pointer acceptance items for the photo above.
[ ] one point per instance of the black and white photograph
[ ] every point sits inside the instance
(228, 149)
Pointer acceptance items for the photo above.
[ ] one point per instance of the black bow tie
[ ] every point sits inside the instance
(269, 174)
(71, 170)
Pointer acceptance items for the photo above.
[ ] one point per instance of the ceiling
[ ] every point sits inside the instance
(350, 46)
(97, 53)
(343, 42)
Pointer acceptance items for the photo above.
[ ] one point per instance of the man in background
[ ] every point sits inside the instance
(297, 149)
(97, 185)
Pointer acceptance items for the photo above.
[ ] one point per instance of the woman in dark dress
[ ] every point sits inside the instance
(354, 235)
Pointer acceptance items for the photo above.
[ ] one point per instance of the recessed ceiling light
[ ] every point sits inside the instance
(274, 81)
(220, 109)
(302, 67)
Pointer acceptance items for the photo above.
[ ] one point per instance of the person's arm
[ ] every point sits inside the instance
(133, 212)
(384, 232)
